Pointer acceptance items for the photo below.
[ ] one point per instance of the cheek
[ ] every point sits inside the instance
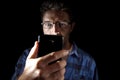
(45, 31)
(65, 31)
(49, 31)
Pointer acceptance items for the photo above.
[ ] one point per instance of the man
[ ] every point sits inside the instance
(57, 19)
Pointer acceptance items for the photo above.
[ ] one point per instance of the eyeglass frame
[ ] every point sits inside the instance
(62, 24)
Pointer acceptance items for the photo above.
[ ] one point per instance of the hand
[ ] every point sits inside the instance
(38, 68)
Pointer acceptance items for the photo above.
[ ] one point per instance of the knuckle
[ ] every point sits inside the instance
(54, 56)
(61, 64)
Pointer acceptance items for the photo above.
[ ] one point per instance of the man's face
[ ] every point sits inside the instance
(57, 23)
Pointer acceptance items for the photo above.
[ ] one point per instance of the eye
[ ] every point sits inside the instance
(63, 24)
(48, 25)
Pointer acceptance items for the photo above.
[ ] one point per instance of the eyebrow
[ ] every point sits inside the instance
(58, 21)
(64, 21)
(47, 21)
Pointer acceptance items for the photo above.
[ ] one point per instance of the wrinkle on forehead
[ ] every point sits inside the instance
(56, 15)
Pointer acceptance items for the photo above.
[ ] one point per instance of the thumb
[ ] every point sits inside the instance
(34, 51)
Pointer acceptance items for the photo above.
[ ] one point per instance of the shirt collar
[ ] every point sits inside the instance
(74, 50)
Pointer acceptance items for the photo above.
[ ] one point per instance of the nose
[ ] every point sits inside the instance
(56, 28)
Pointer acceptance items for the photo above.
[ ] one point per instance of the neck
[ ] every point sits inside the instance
(67, 45)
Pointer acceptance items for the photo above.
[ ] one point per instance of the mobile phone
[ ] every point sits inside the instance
(49, 43)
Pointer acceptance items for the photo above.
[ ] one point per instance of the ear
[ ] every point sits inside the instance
(72, 26)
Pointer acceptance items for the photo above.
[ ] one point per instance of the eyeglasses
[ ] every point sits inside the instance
(49, 24)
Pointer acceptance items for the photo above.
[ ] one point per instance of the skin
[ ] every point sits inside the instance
(38, 68)
(55, 16)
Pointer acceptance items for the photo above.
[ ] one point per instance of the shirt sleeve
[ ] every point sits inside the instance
(95, 74)
(20, 64)
(94, 69)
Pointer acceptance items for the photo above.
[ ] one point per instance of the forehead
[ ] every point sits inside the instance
(54, 15)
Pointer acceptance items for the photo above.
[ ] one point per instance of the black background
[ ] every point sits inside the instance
(20, 24)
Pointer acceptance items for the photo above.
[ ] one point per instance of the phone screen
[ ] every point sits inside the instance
(49, 43)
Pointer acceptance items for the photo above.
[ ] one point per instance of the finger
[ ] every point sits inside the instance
(53, 56)
(34, 51)
(55, 67)
(59, 75)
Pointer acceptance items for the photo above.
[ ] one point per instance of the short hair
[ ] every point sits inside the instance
(56, 5)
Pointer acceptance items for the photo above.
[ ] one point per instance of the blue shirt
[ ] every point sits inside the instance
(80, 65)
